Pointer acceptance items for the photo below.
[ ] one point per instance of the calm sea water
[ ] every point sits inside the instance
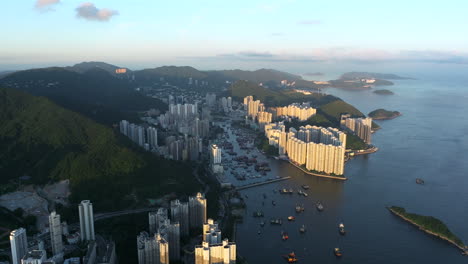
(429, 141)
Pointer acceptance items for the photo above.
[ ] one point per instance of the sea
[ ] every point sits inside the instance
(429, 141)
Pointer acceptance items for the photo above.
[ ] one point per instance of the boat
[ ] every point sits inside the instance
(300, 192)
(258, 214)
(264, 196)
(276, 221)
(284, 236)
(419, 181)
(305, 187)
(299, 209)
(337, 252)
(259, 232)
(262, 223)
(291, 258)
(302, 229)
(305, 194)
(291, 191)
(319, 206)
(291, 218)
(273, 202)
(342, 229)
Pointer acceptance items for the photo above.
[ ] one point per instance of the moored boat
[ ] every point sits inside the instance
(291, 258)
(305, 187)
(273, 202)
(276, 221)
(302, 229)
(319, 206)
(262, 223)
(341, 228)
(419, 181)
(299, 209)
(284, 236)
(291, 218)
(337, 252)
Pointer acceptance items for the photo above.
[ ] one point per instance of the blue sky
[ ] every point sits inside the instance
(220, 34)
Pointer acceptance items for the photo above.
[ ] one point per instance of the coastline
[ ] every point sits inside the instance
(387, 118)
(464, 250)
(318, 174)
(366, 151)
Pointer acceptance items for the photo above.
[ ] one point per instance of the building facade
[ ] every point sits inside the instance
(85, 210)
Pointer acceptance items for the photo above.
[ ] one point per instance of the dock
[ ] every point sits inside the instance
(262, 183)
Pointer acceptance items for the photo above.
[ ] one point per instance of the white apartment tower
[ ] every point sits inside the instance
(211, 232)
(55, 229)
(155, 218)
(85, 209)
(197, 211)
(19, 245)
(215, 152)
(152, 249)
(180, 213)
(223, 253)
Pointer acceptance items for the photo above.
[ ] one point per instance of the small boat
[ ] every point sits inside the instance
(337, 252)
(305, 187)
(300, 192)
(419, 181)
(319, 206)
(291, 191)
(284, 236)
(264, 196)
(299, 209)
(302, 229)
(262, 223)
(259, 232)
(305, 194)
(342, 229)
(276, 221)
(258, 214)
(273, 202)
(291, 258)
(291, 218)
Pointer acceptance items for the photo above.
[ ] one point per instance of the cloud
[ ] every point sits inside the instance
(310, 22)
(45, 5)
(90, 12)
(255, 54)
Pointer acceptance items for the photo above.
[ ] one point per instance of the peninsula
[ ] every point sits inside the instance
(430, 225)
(382, 114)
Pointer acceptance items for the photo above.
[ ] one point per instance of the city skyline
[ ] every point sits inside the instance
(210, 35)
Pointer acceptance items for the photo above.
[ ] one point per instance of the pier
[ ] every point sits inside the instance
(262, 183)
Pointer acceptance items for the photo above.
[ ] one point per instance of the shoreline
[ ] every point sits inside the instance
(464, 250)
(387, 118)
(318, 174)
(366, 151)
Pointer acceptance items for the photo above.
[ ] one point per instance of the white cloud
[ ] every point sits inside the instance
(46, 4)
(90, 12)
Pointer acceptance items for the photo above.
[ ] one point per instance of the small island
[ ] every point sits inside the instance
(430, 225)
(382, 114)
(384, 92)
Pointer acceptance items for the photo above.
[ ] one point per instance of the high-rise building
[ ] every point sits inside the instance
(223, 253)
(107, 256)
(197, 211)
(215, 152)
(55, 229)
(180, 213)
(171, 233)
(19, 245)
(124, 127)
(155, 218)
(152, 137)
(34, 257)
(152, 249)
(91, 253)
(85, 210)
(211, 232)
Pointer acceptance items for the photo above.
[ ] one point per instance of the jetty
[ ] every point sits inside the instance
(238, 188)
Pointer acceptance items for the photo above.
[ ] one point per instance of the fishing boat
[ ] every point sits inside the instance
(276, 221)
(305, 194)
(262, 223)
(284, 236)
(337, 252)
(300, 192)
(299, 209)
(291, 218)
(302, 229)
(273, 202)
(319, 206)
(419, 181)
(341, 228)
(258, 214)
(305, 187)
(291, 258)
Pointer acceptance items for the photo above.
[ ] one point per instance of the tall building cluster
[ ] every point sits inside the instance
(182, 148)
(162, 243)
(146, 137)
(213, 248)
(225, 104)
(361, 127)
(300, 111)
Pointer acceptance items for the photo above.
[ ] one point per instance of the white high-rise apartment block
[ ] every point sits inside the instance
(223, 253)
(19, 245)
(152, 249)
(215, 153)
(362, 127)
(155, 218)
(34, 257)
(171, 233)
(85, 210)
(55, 229)
(301, 112)
(152, 137)
(124, 127)
(180, 213)
(211, 232)
(197, 211)
(247, 100)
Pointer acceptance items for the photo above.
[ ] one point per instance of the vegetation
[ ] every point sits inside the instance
(382, 114)
(94, 93)
(49, 143)
(263, 144)
(335, 109)
(383, 92)
(354, 142)
(429, 223)
(10, 220)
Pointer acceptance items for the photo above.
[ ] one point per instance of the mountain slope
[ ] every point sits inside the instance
(48, 143)
(94, 93)
(86, 66)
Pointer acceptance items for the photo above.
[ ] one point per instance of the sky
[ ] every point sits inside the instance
(215, 34)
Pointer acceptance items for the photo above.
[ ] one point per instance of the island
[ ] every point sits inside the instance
(430, 225)
(384, 92)
(382, 114)
(373, 75)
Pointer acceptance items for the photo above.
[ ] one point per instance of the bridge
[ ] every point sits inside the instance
(262, 183)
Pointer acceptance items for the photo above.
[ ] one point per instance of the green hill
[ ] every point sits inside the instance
(49, 143)
(382, 114)
(94, 93)
(260, 76)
